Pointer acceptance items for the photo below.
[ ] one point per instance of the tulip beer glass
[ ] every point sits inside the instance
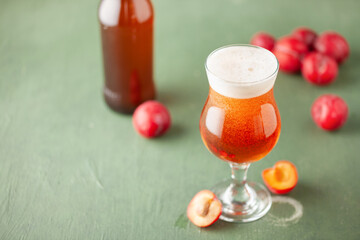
(240, 124)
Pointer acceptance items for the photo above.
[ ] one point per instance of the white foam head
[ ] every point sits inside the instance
(241, 71)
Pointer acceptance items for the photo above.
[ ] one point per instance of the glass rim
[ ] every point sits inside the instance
(242, 83)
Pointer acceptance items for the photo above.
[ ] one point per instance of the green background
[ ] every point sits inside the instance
(72, 169)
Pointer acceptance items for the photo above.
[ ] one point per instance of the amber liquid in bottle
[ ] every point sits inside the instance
(127, 44)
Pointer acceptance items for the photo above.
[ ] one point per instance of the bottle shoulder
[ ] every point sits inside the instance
(125, 12)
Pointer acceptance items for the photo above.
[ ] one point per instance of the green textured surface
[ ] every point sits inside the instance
(72, 169)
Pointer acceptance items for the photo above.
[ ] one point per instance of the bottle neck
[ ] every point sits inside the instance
(113, 13)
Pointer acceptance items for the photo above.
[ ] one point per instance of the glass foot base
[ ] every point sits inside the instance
(242, 203)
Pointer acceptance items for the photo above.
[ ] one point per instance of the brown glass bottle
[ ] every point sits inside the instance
(127, 43)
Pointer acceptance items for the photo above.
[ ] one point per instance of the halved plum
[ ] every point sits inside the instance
(204, 209)
(281, 178)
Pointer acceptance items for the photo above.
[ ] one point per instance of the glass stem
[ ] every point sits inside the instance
(239, 172)
(240, 188)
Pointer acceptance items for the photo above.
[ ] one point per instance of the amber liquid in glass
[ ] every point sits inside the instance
(128, 56)
(240, 130)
